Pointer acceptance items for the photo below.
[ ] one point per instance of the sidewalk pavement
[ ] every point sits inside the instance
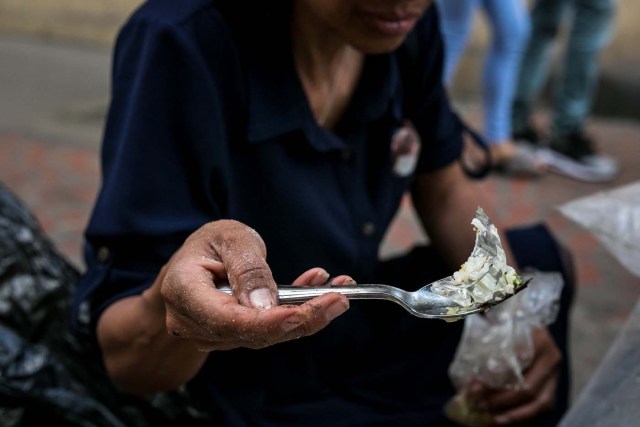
(51, 117)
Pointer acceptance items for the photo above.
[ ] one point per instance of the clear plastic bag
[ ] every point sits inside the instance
(614, 218)
(496, 347)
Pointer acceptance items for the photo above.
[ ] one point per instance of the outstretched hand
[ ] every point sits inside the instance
(228, 251)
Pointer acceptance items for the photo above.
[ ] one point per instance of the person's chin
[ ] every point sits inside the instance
(380, 46)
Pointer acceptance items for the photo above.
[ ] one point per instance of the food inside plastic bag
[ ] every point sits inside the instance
(496, 347)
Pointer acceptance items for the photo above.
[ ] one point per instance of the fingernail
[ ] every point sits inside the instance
(261, 298)
(322, 275)
(335, 310)
(348, 281)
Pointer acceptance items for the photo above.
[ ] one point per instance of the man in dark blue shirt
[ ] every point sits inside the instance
(307, 121)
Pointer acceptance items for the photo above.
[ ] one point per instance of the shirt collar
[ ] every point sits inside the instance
(276, 101)
(277, 104)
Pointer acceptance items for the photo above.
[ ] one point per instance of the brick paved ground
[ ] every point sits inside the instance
(58, 182)
(51, 162)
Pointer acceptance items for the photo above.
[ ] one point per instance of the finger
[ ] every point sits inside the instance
(314, 315)
(343, 279)
(319, 276)
(314, 277)
(544, 367)
(506, 398)
(543, 402)
(476, 393)
(261, 328)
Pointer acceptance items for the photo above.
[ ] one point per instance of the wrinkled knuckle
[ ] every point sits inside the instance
(255, 274)
(317, 312)
(229, 232)
(312, 321)
(316, 321)
(305, 329)
(294, 328)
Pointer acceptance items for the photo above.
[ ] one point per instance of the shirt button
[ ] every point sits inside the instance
(346, 155)
(103, 254)
(368, 229)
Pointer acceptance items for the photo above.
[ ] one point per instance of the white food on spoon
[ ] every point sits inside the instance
(485, 275)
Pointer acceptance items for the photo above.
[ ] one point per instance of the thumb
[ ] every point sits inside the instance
(243, 253)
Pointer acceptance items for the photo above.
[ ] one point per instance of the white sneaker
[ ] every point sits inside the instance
(590, 168)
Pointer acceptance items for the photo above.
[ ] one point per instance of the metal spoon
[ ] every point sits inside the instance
(430, 301)
(422, 303)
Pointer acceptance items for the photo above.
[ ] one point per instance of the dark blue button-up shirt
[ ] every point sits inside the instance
(209, 120)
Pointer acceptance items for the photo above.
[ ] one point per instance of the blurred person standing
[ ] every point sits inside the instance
(510, 26)
(572, 152)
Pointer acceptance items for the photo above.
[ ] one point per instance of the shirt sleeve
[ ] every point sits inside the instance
(163, 149)
(426, 100)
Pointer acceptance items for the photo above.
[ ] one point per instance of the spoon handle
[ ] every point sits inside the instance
(299, 294)
(288, 294)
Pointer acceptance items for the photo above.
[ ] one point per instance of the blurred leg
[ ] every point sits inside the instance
(510, 27)
(456, 18)
(590, 32)
(546, 16)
